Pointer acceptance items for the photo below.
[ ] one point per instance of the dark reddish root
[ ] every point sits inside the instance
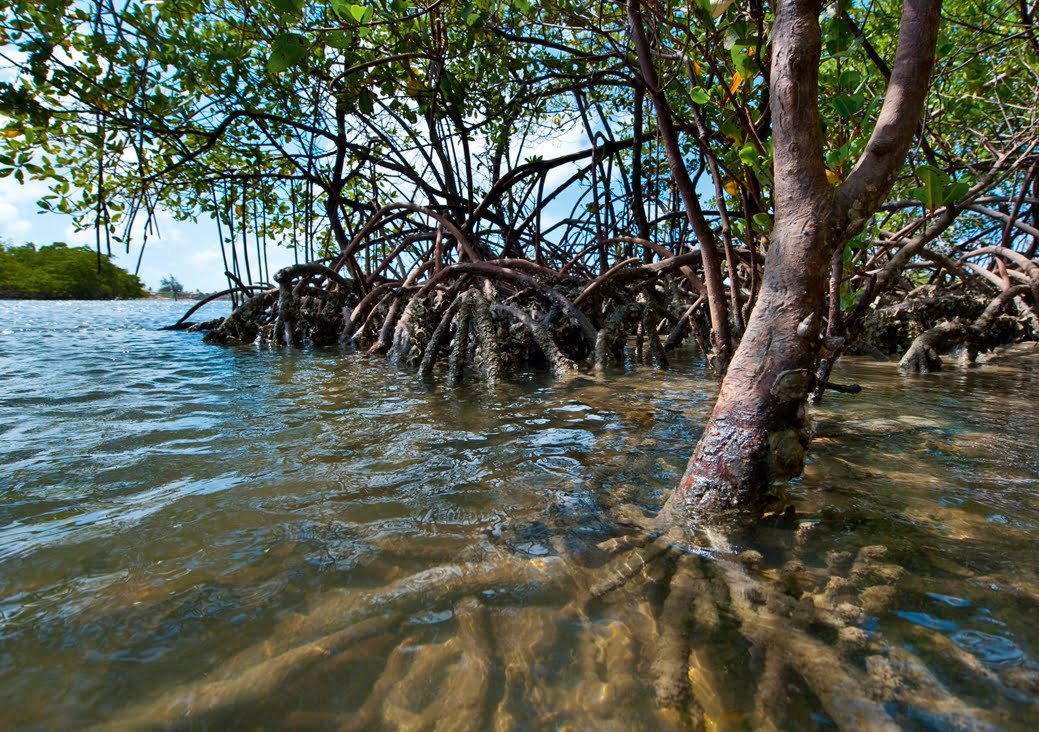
(485, 319)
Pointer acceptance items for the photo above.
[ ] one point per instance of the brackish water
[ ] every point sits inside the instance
(202, 537)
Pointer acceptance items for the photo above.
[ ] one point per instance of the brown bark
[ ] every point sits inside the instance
(925, 354)
(756, 435)
(716, 301)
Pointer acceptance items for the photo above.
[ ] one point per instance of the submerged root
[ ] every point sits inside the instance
(412, 692)
(671, 664)
(722, 639)
(248, 684)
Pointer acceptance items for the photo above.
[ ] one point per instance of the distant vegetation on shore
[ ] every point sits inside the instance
(60, 272)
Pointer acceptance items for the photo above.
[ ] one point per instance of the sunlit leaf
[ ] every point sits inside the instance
(287, 50)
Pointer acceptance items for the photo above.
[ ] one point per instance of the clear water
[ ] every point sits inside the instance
(194, 536)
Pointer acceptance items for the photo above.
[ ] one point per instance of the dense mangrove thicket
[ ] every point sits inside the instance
(470, 188)
(57, 271)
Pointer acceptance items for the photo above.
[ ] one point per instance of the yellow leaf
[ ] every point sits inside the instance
(832, 177)
(736, 81)
(12, 133)
(731, 187)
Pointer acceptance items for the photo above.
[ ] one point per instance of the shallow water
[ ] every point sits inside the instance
(173, 514)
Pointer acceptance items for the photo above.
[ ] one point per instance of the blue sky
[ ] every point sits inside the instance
(190, 252)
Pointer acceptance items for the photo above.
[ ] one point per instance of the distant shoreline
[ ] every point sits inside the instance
(161, 298)
(39, 296)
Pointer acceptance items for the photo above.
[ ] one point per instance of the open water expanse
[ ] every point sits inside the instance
(201, 537)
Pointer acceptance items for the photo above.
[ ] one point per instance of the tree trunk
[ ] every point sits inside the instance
(756, 434)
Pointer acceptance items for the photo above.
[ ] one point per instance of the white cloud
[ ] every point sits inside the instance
(204, 258)
(17, 204)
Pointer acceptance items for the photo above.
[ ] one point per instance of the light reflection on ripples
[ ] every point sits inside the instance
(166, 504)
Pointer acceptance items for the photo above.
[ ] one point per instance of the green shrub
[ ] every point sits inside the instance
(62, 272)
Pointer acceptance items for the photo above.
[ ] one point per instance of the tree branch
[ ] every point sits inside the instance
(874, 174)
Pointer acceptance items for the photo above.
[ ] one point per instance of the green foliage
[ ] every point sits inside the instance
(194, 106)
(287, 50)
(170, 285)
(937, 188)
(61, 272)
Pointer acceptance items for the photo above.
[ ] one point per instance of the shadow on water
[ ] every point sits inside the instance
(235, 538)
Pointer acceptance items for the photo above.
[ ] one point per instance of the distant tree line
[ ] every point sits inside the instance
(58, 271)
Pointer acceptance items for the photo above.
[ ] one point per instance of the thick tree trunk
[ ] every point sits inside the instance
(756, 434)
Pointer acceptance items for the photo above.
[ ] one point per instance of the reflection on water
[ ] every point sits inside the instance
(193, 536)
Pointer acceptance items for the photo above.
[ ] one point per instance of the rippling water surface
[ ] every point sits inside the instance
(199, 536)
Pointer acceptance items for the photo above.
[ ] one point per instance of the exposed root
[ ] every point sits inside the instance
(460, 348)
(510, 314)
(410, 335)
(606, 342)
(560, 364)
(489, 354)
(438, 338)
(244, 323)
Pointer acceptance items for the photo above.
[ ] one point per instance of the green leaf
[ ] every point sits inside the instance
(840, 38)
(699, 95)
(849, 297)
(749, 155)
(848, 105)
(850, 79)
(365, 104)
(358, 12)
(287, 7)
(339, 39)
(287, 50)
(743, 61)
(763, 221)
(932, 186)
(955, 192)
